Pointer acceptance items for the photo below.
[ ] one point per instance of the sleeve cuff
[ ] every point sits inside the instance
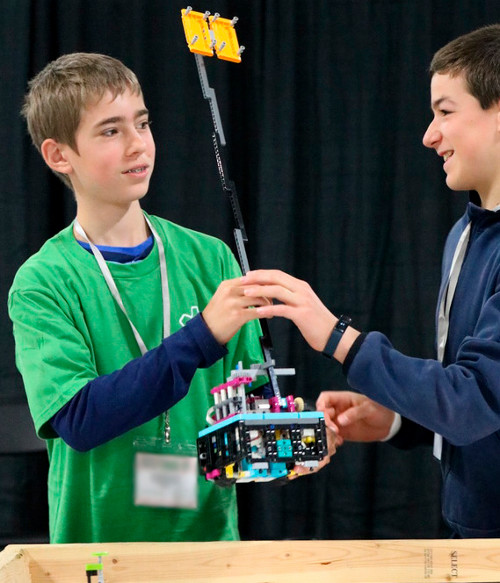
(351, 355)
(212, 351)
(395, 427)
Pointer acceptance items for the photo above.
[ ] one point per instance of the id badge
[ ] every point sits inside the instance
(165, 475)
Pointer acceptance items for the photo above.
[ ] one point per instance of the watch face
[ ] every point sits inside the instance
(343, 323)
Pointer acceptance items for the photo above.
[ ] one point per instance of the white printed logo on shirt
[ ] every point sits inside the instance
(184, 319)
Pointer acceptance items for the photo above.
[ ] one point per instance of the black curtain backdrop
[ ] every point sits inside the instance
(324, 120)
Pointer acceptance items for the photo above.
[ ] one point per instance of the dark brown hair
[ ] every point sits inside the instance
(476, 56)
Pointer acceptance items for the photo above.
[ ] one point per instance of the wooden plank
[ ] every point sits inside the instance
(14, 566)
(398, 561)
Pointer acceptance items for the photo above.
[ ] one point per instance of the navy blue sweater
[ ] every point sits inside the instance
(460, 398)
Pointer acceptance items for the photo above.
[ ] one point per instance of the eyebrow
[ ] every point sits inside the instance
(435, 104)
(119, 118)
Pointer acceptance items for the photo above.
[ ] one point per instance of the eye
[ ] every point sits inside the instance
(143, 125)
(444, 112)
(109, 132)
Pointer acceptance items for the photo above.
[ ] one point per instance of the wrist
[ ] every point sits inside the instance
(340, 339)
(395, 427)
(345, 345)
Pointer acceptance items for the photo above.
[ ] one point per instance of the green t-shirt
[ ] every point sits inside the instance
(69, 330)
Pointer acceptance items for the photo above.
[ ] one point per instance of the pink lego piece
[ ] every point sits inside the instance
(232, 383)
(275, 404)
(213, 474)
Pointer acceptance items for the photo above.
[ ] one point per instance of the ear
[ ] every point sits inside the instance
(54, 155)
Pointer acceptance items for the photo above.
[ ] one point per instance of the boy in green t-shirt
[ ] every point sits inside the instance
(116, 318)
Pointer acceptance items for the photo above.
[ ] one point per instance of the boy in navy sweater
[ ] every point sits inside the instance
(455, 398)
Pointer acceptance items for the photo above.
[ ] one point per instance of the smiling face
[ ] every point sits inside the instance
(467, 137)
(115, 152)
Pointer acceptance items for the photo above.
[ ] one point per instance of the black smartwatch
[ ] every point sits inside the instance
(336, 335)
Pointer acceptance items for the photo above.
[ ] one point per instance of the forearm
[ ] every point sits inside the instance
(144, 388)
(445, 399)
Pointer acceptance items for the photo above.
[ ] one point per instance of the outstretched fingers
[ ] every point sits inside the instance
(298, 303)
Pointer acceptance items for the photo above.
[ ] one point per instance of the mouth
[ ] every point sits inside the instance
(136, 170)
(447, 155)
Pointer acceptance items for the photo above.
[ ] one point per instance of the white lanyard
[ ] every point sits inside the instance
(449, 292)
(444, 312)
(114, 290)
(165, 294)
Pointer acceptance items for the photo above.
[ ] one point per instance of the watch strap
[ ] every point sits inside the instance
(336, 335)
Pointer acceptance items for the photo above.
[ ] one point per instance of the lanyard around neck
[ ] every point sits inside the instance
(114, 290)
(444, 312)
(449, 291)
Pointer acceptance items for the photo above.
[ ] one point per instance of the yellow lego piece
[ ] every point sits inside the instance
(197, 33)
(226, 43)
(229, 471)
(204, 34)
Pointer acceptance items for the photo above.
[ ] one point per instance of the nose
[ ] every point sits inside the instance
(136, 143)
(432, 136)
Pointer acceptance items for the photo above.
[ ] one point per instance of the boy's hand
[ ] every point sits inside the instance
(229, 309)
(298, 303)
(354, 417)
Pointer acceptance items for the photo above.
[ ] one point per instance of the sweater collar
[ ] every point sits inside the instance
(475, 211)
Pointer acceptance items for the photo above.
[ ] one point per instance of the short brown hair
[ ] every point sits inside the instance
(476, 55)
(61, 91)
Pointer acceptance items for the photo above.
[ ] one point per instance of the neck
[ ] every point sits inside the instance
(490, 198)
(491, 205)
(115, 227)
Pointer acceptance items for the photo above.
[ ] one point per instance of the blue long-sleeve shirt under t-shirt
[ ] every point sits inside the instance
(90, 419)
